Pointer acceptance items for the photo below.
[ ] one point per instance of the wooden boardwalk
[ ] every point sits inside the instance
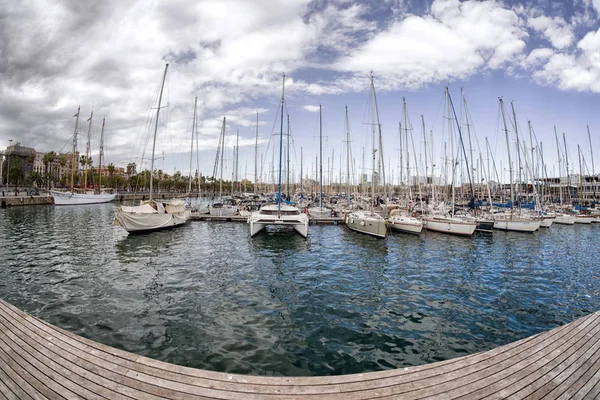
(38, 360)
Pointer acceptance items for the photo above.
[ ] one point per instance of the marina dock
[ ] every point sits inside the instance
(39, 360)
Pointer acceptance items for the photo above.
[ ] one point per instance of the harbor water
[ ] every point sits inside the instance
(208, 296)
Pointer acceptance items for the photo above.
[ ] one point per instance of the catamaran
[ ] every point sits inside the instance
(153, 215)
(279, 214)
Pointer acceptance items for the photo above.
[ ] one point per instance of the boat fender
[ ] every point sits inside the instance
(362, 223)
(351, 220)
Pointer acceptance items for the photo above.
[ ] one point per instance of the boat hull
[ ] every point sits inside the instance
(224, 211)
(69, 199)
(283, 216)
(368, 223)
(517, 225)
(319, 212)
(451, 226)
(406, 224)
(584, 220)
(563, 219)
(546, 222)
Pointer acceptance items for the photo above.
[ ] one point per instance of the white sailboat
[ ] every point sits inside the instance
(320, 211)
(509, 221)
(153, 215)
(62, 198)
(279, 214)
(224, 207)
(450, 224)
(363, 221)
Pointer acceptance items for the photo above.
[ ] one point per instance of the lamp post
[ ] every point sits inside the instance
(8, 164)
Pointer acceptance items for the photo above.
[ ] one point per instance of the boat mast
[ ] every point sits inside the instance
(287, 169)
(580, 177)
(74, 157)
(222, 151)
(320, 157)
(425, 147)
(374, 149)
(593, 170)
(347, 157)
(409, 191)
(510, 171)
(301, 171)
(156, 128)
(101, 156)
(237, 162)
(381, 159)
(451, 147)
(559, 166)
(87, 152)
(256, 158)
(567, 162)
(281, 146)
(192, 146)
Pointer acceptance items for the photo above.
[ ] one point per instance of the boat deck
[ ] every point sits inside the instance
(38, 360)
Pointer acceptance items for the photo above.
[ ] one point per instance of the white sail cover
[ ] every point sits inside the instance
(151, 216)
(68, 198)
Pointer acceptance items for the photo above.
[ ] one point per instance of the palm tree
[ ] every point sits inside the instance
(16, 172)
(111, 172)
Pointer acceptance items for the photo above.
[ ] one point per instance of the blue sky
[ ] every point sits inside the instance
(56, 56)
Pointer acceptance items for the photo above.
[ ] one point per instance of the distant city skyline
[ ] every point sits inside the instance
(109, 58)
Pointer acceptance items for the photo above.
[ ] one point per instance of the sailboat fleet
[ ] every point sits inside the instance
(442, 199)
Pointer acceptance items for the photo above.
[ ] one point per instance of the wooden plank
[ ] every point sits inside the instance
(550, 369)
(60, 379)
(106, 382)
(590, 366)
(509, 378)
(16, 374)
(562, 362)
(14, 390)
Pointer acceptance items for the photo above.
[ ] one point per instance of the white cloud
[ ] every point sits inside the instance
(555, 29)
(455, 41)
(311, 108)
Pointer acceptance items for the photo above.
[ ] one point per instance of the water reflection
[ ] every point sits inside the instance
(209, 296)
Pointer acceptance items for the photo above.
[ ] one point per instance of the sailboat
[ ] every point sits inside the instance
(153, 215)
(450, 224)
(401, 220)
(320, 211)
(225, 207)
(368, 221)
(70, 197)
(279, 214)
(509, 221)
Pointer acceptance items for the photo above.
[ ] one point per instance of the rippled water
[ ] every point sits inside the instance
(208, 296)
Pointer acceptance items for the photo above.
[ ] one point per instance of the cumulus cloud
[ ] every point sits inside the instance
(456, 40)
(556, 30)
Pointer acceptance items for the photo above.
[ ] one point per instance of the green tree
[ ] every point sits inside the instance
(47, 160)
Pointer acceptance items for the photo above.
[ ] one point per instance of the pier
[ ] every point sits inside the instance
(39, 360)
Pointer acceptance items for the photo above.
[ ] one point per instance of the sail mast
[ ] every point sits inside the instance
(347, 156)
(87, 152)
(320, 157)
(567, 162)
(593, 170)
(560, 192)
(156, 129)
(287, 169)
(451, 147)
(256, 158)
(510, 171)
(101, 156)
(281, 145)
(192, 146)
(74, 157)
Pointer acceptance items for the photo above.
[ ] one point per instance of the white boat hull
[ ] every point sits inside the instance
(68, 198)
(283, 215)
(517, 225)
(583, 220)
(564, 219)
(546, 222)
(319, 212)
(367, 222)
(224, 211)
(450, 225)
(406, 224)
